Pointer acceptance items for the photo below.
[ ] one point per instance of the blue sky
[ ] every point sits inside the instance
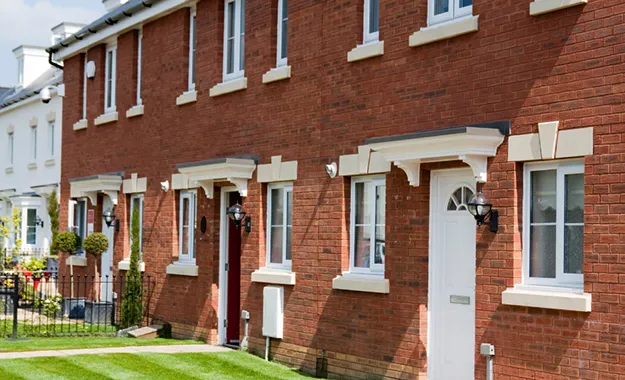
(29, 22)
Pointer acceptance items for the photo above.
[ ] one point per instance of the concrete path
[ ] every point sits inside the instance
(173, 349)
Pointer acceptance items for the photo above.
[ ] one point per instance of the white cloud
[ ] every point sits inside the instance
(30, 22)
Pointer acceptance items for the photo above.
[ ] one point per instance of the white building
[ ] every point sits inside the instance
(30, 144)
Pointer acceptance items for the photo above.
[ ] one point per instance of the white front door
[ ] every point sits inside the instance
(451, 298)
(106, 294)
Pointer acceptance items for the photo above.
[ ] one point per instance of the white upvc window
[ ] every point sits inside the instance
(110, 79)
(283, 32)
(445, 10)
(367, 225)
(33, 143)
(30, 230)
(371, 21)
(84, 89)
(11, 148)
(234, 39)
(279, 225)
(136, 202)
(139, 61)
(192, 49)
(51, 131)
(553, 224)
(186, 227)
(78, 219)
(20, 72)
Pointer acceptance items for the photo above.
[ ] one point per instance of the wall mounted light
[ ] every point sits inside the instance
(236, 213)
(332, 170)
(109, 217)
(482, 210)
(38, 221)
(248, 224)
(165, 185)
(90, 69)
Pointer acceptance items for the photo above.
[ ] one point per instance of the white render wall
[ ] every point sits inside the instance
(26, 173)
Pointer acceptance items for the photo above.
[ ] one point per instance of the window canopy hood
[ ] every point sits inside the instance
(472, 144)
(44, 190)
(89, 187)
(234, 170)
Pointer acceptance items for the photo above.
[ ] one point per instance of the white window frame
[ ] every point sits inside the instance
(25, 227)
(563, 168)
(110, 67)
(455, 12)
(139, 62)
(73, 203)
(239, 38)
(367, 36)
(51, 137)
(11, 148)
(374, 269)
(134, 197)
(286, 264)
(187, 257)
(192, 48)
(282, 61)
(33, 143)
(84, 89)
(20, 72)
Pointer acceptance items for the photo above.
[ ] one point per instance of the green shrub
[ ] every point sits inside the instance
(132, 303)
(96, 244)
(53, 213)
(67, 242)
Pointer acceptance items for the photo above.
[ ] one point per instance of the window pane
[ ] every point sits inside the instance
(31, 233)
(380, 219)
(283, 42)
(362, 243)
(276, 245)
(242, 42)
(380, 205)
(543, 251)
(289, 244)
(185, 226)
(574, 201)
(230, 39)
(543, 208)
(574, 249)
(277, 207)
(441, 6)
(466, 3)
(194, 43)
(362, 204)
(374, 16)
(109, 79)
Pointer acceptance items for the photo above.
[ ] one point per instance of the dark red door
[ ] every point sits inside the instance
(234, 275)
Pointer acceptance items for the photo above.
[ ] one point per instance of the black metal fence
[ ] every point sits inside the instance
(45, 304)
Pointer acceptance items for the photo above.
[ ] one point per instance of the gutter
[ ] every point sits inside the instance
(111, 18)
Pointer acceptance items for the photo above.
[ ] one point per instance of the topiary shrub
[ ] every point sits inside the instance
(67, 242)
(96, 244)
(53, 213)
(132, 303)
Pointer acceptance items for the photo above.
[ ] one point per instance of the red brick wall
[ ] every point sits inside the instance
(565, 66)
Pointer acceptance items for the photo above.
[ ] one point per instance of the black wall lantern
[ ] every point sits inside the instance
(109, 217)
(38, 221)
(237, 214)
(482, 210)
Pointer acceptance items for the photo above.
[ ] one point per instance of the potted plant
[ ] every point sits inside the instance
(97, 311)
(68, 243)
(33, 268)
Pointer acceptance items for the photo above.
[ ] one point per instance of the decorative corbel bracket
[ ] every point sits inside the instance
(478, 164)
(241, 184)
(412, 168)
(209, 188)
(111, 194)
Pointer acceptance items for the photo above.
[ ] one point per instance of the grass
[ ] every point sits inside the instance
(29, 328)
(218, 366)
(70, 343)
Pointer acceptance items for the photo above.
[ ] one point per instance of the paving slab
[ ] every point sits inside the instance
(173, 349)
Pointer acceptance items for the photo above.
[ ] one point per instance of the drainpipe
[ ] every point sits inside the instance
(245, 315)
(488, 351)
(51, 62)
(267, 349)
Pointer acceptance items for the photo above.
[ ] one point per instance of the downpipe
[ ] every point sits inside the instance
(488, 351)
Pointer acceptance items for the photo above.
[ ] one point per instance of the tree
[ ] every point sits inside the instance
(53, 213)
(96, 244)
(132, 303)
(68, 242)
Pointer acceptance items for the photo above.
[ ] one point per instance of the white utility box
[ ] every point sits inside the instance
(273, 311)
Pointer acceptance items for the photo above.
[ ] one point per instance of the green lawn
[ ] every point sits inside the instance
(29, 328)
(218, 366)
(38, 344)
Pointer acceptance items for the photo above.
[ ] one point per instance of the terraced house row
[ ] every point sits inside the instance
(354, 140)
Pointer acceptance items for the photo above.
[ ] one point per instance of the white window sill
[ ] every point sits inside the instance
(186, 98)
(539, 7)
(134, 111)
(369, 284)
(444, 31)
(32, 166)
(228, 87)
(547, 299)
(125, 265)
(50, 162)
(77, 261)
(106, 118)
(81, 124)
(272, 276)
(182, 269)
(279, 73)
(365, 51)
(9, 170)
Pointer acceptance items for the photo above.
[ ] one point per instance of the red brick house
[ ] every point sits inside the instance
(413, 107)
